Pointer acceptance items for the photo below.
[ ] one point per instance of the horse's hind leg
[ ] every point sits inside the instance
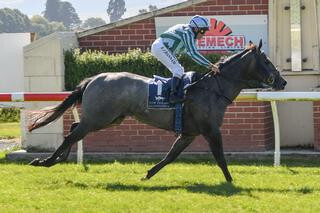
(63, 151)
(215, 143)
(64, 156)
(179, 145)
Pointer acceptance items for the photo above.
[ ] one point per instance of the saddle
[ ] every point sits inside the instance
(159, 92)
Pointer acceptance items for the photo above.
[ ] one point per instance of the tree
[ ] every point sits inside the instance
(62, 11)
(51, 12)
(116, 9)
(93, 22)
(68, 15)
(13, 21)
(151, 8)
(143, 11)
(40, 25)
(57, 27)
(43, 27)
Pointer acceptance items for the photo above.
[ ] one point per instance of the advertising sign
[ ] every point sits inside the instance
(226, 32)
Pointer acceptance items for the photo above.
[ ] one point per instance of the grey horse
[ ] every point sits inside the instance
(107, 98)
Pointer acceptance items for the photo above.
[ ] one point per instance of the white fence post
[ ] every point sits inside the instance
(276, 133)
(80, 143)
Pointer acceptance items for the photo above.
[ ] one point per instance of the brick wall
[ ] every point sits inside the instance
(224, 7)
(247, 126)
(316, 120)
(140, 34)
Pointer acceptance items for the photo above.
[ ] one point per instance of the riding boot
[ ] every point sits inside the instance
(174, 97)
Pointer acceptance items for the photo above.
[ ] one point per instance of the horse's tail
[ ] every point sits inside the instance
(74, 98)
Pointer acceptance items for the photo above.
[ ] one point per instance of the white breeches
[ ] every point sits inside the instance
(167, 58)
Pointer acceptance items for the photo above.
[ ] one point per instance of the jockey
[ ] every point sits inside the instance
(178, 39)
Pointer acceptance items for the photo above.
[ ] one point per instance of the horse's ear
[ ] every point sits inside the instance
(260, 44)
(251, 45)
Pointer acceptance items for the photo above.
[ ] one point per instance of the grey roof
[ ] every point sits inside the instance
(139, 17)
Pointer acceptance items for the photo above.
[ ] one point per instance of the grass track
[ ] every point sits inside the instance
(10, 130)
(184, 186)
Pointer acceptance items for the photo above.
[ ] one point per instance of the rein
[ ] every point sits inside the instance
(220, 93)
(200, 79)
(237, 57)
(222, 75)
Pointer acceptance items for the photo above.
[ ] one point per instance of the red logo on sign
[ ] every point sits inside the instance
(219, 37)
(218, 28)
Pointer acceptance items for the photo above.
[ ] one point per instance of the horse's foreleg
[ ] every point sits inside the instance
(215, 143)
(62, 153)
(179, 145)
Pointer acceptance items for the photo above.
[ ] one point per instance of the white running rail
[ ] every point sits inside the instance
(11, 99)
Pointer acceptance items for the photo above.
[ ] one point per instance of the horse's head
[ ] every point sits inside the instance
(262, 70)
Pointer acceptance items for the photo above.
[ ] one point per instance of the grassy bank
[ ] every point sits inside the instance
(9, 130)
(185, 186)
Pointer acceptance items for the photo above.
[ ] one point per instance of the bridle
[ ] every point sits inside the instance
(209, 73)
(224, 75)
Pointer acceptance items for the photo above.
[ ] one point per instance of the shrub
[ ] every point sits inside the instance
(9, 115)
(89, 63)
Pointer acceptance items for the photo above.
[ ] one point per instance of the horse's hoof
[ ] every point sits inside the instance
(229, 180)
(38, 162)
(145, 178)
(35, 162)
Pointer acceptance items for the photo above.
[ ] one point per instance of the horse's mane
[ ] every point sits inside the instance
(225, 61)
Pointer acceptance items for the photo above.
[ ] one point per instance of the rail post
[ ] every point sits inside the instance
(276, 133)
(80, 143)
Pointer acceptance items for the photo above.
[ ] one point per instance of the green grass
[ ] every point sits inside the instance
(10, 130)
(184, 186)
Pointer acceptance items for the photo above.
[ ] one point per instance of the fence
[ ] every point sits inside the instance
(18, 100)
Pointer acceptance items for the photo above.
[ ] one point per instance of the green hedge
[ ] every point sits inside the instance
(82, 65)
(9, 115)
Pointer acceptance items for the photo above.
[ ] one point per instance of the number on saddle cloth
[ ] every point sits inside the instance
(159, 92)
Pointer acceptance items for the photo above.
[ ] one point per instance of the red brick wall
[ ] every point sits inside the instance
(247, 126)
(316, 120)
(136, 35)
(141, 34)
(224, 7)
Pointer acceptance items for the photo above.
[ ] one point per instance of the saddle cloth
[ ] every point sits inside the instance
(159, 90)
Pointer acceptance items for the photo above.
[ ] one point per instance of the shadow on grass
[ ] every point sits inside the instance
(222, 189)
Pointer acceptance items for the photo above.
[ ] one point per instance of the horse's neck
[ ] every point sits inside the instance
(229, 89)
(231, 81)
